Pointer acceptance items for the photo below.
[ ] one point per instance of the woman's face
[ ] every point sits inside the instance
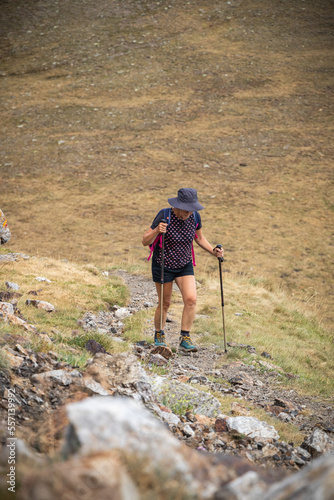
(182, 214)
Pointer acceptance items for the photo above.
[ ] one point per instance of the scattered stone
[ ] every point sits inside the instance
(252, 427)
(7, 296)
(6, 308)
(94, 347)
(317, 443)
(12, 286)
(122, 312)
(62, 376)
(184, 397)
(239, 409)
(221, 424)
(157, 360)
(40, 304)
(188, 431)
(164, 351)
(248, 486)
(266, 355)
(241, 380)
(41, 278)
(14, 320)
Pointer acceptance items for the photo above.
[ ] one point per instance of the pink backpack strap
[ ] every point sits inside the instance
(192, 249)
(154, 244)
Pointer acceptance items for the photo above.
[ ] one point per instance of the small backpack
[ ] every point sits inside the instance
(158, 239)
(4, 229)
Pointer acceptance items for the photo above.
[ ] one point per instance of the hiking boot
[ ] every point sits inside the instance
(159, 338)
(186, 344)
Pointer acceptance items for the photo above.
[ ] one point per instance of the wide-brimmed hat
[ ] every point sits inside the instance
(186, 200)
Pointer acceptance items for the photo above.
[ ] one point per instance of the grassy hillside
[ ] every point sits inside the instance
(256, 314)
(108, 107)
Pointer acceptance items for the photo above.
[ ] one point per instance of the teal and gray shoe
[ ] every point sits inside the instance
(159, 338)
(187, 345)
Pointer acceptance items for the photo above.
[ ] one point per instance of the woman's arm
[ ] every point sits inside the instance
(203, 243)
(151, 234)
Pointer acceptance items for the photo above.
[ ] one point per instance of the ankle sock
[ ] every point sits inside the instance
(184, 333)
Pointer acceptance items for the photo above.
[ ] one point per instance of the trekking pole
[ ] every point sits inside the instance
(221, 259)
(162, 273)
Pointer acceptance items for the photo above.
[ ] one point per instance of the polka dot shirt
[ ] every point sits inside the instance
(178, 240)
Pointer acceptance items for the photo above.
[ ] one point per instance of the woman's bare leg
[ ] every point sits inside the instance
(168, 289)
(187, 286)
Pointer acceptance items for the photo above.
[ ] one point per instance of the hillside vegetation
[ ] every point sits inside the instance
(108, 107)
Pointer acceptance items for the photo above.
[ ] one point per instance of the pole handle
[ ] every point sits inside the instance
(221, 259)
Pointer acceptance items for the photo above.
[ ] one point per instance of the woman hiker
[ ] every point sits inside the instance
(183, 225)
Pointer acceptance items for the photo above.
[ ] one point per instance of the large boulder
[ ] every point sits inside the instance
(103, 424)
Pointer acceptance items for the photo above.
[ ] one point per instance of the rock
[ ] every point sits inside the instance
(123, 375)
(105, 424)
(14, 320)
(266, 355)
(249, 486)
(314, 482)
(41, 278)
(239, 409)
(198, 379)
(40, 304)
(156, 359)
(6, 308)
(20, 349)
(188, 431)
(94, 347)
(317, 443)
(183, 397)
(168, 416)
(94, 387)
(15, 361)
(284, 416)
(62, 376)
(12, 286)
(241, 379)
(269, 450)
(164, 351)
(122, 312)
(221, 425)
(148, 304)
(7, 296)
(252, 427)
(101, 476)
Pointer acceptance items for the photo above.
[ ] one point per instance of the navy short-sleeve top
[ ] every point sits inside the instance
(178, 240)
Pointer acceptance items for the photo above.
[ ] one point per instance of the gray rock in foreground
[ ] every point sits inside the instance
(314, 482)
(120, 424)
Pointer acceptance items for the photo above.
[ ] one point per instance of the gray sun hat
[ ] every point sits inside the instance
(186, 200)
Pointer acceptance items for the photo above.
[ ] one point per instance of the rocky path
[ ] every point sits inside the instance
(259, 384)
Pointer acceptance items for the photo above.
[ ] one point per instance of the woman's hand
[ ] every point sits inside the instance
(162, 227)
(151, 234)
(218, 252)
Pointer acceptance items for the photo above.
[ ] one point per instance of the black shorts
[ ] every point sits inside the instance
(171, 274)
